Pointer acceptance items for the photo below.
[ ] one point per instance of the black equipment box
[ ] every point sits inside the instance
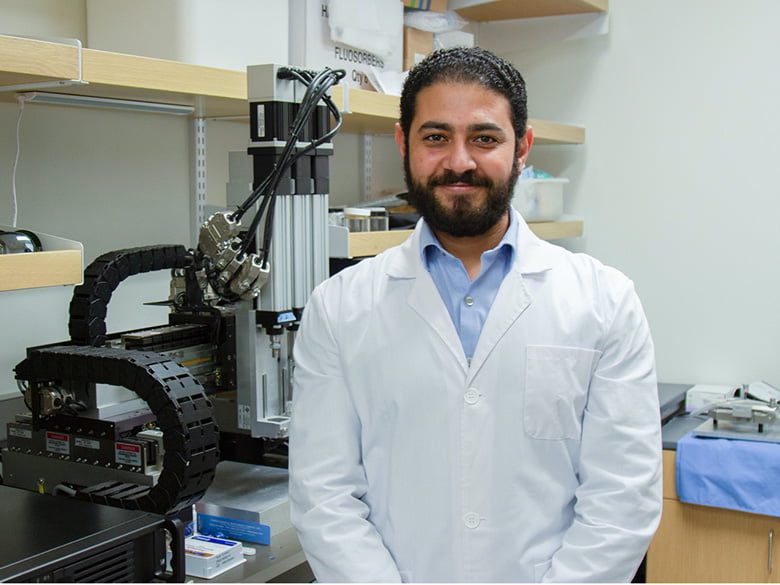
(50, 538)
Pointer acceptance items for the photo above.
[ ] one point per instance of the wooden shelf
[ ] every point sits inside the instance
(30, 61)
(33, 269)
(548, 132)
(553, 230)
(211, 91)
(372, 243)
(509, 9)
(60, 263)
(369, 112)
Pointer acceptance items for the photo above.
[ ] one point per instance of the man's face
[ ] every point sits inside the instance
(461, 157)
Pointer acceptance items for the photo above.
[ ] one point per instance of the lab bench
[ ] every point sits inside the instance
(262, 489)
(707, 544)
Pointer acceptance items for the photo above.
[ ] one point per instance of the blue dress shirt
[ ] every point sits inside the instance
(468, 301)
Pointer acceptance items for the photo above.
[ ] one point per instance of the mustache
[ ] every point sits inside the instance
(467, 177)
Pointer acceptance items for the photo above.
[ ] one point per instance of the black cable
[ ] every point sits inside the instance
(287, 157)
(316, 91)
(317, 88)
(297, 126)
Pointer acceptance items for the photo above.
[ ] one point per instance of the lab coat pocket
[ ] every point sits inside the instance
(556, 390)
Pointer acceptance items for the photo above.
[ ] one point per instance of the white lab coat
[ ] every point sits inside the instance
(541, 461)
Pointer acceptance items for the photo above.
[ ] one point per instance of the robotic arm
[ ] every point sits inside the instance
(233, 273)
(233, 270)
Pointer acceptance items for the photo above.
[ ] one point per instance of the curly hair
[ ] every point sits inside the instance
(467, 65)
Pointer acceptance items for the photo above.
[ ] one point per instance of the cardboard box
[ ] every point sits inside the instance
(440, 5)
(311, 46)
(230, 34)
(417, 44)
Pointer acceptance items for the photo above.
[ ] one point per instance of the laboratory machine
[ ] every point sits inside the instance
(139, 419)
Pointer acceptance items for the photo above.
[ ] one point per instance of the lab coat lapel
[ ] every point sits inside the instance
(424, 298)
(511, 301)
(426, 301)
(532, 256)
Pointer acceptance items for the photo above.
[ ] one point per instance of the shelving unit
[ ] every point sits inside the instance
(213, 92)
(60, 262)
(509, 9)
(219, 93)
(360, 244)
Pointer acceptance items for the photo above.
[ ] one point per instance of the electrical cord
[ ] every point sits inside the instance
(318, 84)
(317, 87)
(21, 98)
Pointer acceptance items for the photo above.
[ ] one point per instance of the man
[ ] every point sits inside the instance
(475, 404)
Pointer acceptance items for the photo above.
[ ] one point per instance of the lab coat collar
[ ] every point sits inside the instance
(532, 256)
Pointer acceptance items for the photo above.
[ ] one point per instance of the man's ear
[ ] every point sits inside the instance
(399, 139)
(524, 146)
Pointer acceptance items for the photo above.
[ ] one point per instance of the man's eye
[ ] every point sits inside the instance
(486, 139)
(434, 138)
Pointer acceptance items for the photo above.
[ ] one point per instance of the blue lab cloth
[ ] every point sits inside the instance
(729, 473)
(468, 301)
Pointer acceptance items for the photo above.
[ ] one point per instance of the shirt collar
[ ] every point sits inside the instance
(429, 242)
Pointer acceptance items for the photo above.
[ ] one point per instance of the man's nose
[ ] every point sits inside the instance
(459, 158)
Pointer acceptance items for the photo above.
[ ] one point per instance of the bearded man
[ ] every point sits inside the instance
(475, 404)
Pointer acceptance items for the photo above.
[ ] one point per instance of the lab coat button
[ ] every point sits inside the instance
(471, 396)
(471, 520)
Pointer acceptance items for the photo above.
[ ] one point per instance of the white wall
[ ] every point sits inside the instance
(675, 180)
(110, 180)
(44, 18)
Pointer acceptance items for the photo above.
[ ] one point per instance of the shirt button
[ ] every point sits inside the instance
(469, 301)
(471, 396)
(471, 520)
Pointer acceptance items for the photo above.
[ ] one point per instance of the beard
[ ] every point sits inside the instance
(464, 219)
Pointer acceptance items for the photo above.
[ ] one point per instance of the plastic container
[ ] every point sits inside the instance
(539, 199)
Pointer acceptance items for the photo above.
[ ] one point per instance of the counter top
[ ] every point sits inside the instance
(260, 489)
(676, 422)
(678, 426)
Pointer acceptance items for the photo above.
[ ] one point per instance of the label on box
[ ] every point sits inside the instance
(128, 454)
(57, 443)
(86, 443)
(20, 432)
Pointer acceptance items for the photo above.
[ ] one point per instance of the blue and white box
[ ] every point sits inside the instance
(207, 556)
(227, 522)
